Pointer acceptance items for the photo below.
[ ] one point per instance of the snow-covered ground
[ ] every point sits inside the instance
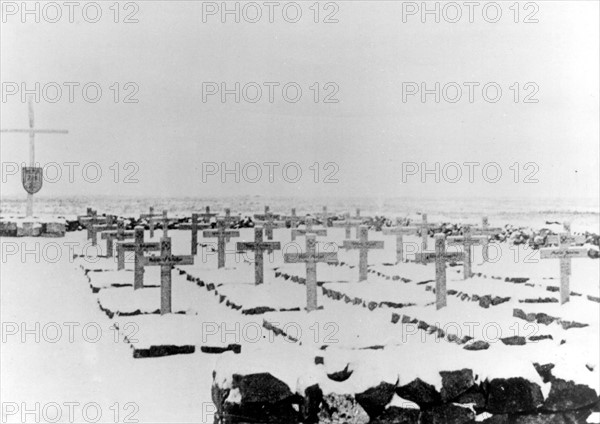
(211, 306)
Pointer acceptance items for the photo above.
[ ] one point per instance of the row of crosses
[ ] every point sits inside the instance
(113, 229)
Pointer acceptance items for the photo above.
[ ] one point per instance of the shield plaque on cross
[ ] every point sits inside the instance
(32, 178)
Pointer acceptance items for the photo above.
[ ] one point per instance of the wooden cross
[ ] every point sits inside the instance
(165, 220)
(564, 253)
(363, 245)
(467, 240)
(293, 219)
(148, 216)
(121, 235)
(486, 230)
(399, 232)
(359, 216)
(440, 256)
(259, 247)
(109, 225)
(223, 235)
(32, 132)
(567, 238)
(195, 226)
(138, 246)
(229, 219)
(166, 261)
(308, 230)
(118, 234)
(268, 221)
(89, 222)
(348, 224)
(311, 258)
(424, 226)
(87, 215)
(206, 216)
(325, 216)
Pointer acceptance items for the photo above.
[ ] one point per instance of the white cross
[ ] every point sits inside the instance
(32, 132)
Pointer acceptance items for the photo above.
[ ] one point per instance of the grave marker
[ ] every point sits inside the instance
(311, 258)
(363, 245)
(223, 235)
(325, 216)
(148, 216)
(268, 221)
(468, 240)
(138, 246)
(487, 231)
(348, 224)
(166, 261)
(90, 221)
(564, 253)
(424, 227)
(121, 235)
(194, 226)
(308, 230)
(164, 220)
(440, 256)
(206, 216)
(109, 224)
(259, 247)
(569, 239)
(293, 219)
(400, 232)
(229, 219)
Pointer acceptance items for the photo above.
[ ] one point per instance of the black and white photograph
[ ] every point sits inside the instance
(300, 212)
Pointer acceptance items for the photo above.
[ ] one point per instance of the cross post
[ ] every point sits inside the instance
(293, 219)
(564, 253)
(259, 247)
(120, 234)
(348, 224)
(363, 245)
(148, 216)
(308, 230)
(195, 226)
(223, 235)
(32, 131)
(440, 256)
(399, 232)
(166, 261)
(89, 222)
(139, 246)
(467, 240)
(311, 257)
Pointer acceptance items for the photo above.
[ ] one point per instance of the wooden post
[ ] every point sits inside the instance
(195, 226)
(564, 253)
(293, 219)
(440, 256)
(268, 221)
(348, 224)
(166, 261)
(424, 231)
(139, 247)
(399, 232)
(120, 235)
(308, 229)
(259, 247)
(206, 216)
(222, 236)
(468, 241)
(363, 245)
(311, 258)
(325, 217)
(148, 217)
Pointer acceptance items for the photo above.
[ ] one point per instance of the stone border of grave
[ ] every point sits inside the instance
(261, 397)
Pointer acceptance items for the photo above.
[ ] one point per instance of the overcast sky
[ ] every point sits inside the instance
(363, 61)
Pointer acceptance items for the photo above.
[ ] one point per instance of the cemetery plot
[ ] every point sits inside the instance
(214, 331)
(123, 278)
(186, 298)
